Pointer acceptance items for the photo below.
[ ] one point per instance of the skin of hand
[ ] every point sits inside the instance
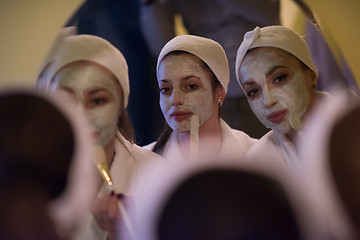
(106, 212)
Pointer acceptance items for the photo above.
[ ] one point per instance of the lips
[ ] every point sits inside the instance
(277, 117)
(181, 115)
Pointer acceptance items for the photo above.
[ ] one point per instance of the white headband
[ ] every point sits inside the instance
(206, 49)
(95, 49)
(278, 37)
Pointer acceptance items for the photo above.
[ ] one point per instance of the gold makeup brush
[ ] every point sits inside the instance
(101, 164)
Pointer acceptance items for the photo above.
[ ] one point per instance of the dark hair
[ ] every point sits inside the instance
(166, 133)
(36, 143)
(227, 204)
(344, 151)
(124, 126)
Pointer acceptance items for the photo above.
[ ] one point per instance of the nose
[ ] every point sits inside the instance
(176, 97)
(270, 98)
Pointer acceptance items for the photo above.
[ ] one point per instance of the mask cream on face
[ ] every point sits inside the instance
(95, 90)
(189, 92)
(194, 136)
(278, 105)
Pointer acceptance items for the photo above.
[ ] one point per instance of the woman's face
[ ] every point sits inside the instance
(278, 87)
(98, 95)
(185, 91)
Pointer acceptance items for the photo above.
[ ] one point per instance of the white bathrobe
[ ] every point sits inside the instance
(128, 162)
(235, 144)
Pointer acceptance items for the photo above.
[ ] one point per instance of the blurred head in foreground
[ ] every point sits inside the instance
(344, 152)
(330, 157)
(212, 200)
(37, 144)
(42, 149)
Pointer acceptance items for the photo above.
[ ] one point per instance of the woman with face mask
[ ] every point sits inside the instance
(275, 69)
(193, 76)
(95, 74)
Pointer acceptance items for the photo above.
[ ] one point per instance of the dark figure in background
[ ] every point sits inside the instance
(118, 22)
(332, 71)
(225, 21)
(36, 148)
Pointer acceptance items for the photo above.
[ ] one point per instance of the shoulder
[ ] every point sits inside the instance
(149, 146)
(136, 152)
(145, 151)
(262, 146)
(235, 142)
(264, 156)
(237, 135)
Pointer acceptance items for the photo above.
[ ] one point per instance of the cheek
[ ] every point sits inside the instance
(200, 100)
(257, 107)
(165, 104)
(295, 93)
(104, 117)
(202, 105)
(284, 95)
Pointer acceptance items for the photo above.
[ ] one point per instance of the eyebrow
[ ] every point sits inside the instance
(185, 78)
(67, 89)
(273, 69)
(164, 80)
(97, 90)
(191, 76)
(249, 83)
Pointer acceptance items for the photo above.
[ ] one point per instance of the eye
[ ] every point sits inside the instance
(193, 86)
(279, 79)
(98, 101)
(252, 93)
(165, 90)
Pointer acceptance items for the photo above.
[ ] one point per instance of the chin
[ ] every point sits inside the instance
(181, 130)
(283, 128)
(181, 127)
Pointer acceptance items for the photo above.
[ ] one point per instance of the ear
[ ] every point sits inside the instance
(313, 79)
(220, 94)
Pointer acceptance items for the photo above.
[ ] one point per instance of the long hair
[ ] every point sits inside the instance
(125, 127)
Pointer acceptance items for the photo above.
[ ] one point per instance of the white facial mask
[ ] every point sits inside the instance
(91, 84)
(179, 74)
(288, 97)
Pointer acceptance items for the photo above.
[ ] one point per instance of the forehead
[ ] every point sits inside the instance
(183, 60)
(262, 59)
(85, 71)
(268, 53)
(85, 65)
(86, 74)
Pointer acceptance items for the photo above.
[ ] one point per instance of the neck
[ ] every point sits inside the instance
(210, 130)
